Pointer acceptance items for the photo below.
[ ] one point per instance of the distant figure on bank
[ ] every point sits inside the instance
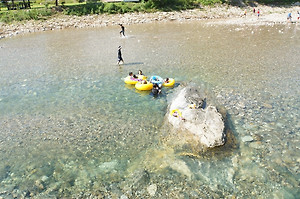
(298, 15)
(258, 13)
(254, 10)
(122, 32)
(245, 12)
(120, 59)
(289, 17)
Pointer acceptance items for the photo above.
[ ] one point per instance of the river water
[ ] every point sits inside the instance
(70, 127)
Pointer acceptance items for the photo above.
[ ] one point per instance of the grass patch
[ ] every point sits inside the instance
(21, 15)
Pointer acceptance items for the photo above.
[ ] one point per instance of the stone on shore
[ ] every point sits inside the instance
(190, 113)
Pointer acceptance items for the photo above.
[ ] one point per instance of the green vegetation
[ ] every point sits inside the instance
(42, 9)
(20, 15)
(122, 7)
(276, 2)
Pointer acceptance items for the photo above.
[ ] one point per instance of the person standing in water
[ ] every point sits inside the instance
(120, 59)
(289, 17)
(245, 13)
(122, 32)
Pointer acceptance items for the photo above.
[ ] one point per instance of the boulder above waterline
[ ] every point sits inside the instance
(190, 113)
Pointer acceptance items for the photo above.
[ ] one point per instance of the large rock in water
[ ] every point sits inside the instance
(189, 112)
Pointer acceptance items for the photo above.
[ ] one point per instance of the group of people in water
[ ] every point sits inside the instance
(141, 78)
(157, 87)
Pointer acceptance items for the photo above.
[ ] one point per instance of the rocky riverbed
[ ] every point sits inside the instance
(215, 15)
(65, 132)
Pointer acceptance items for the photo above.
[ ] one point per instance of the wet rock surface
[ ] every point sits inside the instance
(189, 112)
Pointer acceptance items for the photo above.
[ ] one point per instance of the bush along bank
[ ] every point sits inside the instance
(100, 8)
(22, 15)
(122, 7)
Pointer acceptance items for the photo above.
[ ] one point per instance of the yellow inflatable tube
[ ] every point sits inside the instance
(175, 113)
(170, 83)
(142, 77)
(130, 80)
(144, 87)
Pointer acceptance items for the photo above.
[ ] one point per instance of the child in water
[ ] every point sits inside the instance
(132, 76)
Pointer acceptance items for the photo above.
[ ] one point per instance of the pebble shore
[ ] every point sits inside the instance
(216, 15)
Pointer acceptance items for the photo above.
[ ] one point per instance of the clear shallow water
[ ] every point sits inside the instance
(70, 127)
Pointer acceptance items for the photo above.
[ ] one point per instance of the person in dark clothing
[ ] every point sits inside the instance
(120, 59)
(156, 89)
(122, 32)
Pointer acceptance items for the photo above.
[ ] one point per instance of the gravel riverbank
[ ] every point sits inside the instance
(216, 15)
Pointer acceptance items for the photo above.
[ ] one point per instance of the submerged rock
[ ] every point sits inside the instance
(136, 180)
(108, 166)
(247, 138)
(190, 113)
(152, 189)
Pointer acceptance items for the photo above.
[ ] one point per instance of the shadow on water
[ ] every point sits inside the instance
(132, 64)
(198, 151)
(129, 86)
(231, 145)
(129, 37)
(143, 93)
(220, 152)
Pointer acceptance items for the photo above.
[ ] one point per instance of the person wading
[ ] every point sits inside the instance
(122, 32)
(120, 59)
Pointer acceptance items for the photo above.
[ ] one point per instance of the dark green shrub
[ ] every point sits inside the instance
(149, 5)
(137, 7)
(209, 2)
(125, 8)
(169, 4)
(110, 8)
(91, 1)
(101, 8)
